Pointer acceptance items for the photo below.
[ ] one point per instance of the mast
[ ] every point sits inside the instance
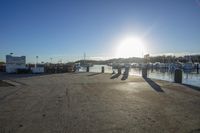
(84, 58)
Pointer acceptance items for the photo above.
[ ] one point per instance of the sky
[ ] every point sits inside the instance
(65, 30)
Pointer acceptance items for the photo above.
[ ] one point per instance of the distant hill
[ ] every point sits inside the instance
(162, 59)
(1, 62)
(116, 60)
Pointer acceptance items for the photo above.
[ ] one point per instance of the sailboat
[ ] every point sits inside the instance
(189, 65)
(84, 64)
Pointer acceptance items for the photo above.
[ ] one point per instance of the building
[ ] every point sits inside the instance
(13, 63)
(2, 67)
(38, 68)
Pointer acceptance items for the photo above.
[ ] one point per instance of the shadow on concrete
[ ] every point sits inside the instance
(195, 131)
(115, 76)
(155, 86)
(94, 74)
(125, 76)
(5, 84)
(192, 87)
(6, 76)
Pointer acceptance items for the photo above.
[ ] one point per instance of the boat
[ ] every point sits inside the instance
(156, 65)
(77, 65)
(188, 66)
(117, 65)
(174, 66)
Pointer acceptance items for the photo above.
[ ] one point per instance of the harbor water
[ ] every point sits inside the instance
(189, 77)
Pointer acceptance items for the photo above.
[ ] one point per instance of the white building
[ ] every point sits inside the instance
(15, 62)
(37, 69)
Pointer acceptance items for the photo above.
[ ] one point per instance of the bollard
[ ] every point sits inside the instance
(119, 70)
(197, 68)
(178, 76)
(88, 69)
(113, 72)
(144, 72)
(126, 71)
(102, 69)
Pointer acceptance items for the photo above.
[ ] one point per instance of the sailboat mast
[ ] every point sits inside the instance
(84, 57)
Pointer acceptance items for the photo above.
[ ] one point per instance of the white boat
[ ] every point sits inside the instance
(174, 66)
(162, 65)
(188, 66)
(77, 65)
(117, 65)
(156, 65)
(127, 65)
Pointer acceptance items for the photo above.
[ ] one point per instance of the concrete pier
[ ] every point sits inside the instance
(95, 103)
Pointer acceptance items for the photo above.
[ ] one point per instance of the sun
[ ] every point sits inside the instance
(130, 47)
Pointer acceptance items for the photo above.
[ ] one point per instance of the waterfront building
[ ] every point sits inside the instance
(13, 63)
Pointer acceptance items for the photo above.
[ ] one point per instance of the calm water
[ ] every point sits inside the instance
(191, 78)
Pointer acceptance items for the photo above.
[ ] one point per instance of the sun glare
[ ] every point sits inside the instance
(130, 47)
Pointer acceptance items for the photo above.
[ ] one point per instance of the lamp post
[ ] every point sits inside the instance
(36, 61)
